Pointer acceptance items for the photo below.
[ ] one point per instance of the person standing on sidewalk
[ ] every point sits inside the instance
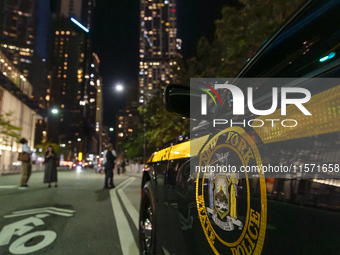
(26, 167)
(109, 157)
(51, 159)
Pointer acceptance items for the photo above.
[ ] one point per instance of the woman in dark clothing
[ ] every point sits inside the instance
(50, 167)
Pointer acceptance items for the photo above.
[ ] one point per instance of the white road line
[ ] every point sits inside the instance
(129, 207)
(127, 241)
(8, 186)
(121, 184)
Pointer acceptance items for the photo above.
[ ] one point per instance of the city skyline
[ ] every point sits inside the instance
(116, 38)
(68, 40)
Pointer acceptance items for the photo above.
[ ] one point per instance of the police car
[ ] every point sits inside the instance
(259, 172)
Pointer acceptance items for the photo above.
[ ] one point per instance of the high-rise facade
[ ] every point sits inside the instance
(16, 108)
(94, 107)
(72, 95)
(159, 45)
(17, 32)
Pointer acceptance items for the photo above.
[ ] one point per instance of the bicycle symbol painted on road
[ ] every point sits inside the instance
(22, 227)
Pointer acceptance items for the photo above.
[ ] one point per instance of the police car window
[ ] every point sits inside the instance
(306, 47)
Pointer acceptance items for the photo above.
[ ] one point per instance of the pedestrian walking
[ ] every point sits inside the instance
(109, 157)
(26, 167)
(51, 175)
(124, 163)
(119, 162)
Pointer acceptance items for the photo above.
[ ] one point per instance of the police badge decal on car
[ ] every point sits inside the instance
(231, 203)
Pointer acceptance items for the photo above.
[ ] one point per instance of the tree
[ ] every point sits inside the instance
(8, 132)
(161, 126)
(239, 33)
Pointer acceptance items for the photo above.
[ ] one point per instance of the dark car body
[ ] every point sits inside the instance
(297, 214)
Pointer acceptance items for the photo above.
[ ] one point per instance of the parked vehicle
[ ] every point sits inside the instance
(186, 209)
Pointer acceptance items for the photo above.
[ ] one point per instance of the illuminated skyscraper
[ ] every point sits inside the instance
(158, 45)
(17, 32)
(72, 76)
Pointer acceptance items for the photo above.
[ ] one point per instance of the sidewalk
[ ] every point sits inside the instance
(135, 170)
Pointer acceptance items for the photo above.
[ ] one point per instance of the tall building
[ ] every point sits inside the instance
(38, 73)
(158, 45)
(126, 121)
(94, 107)
(17, 32)
(16, 108)
(72, 96)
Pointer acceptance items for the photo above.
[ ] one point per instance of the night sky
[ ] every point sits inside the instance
(116, 41)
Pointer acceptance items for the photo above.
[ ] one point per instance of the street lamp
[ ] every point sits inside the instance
(54, 111)
(119, 87)
(111, 129)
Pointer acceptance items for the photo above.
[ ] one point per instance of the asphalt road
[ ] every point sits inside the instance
(77, 217)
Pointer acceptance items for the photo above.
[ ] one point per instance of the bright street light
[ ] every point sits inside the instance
(119, 87)
(54, 111)
(111, 129)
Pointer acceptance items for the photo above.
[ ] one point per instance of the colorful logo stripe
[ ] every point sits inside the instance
(213, 90)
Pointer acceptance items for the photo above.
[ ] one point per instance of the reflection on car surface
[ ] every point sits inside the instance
(186, 209)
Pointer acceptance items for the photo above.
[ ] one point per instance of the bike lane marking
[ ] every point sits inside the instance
(51, 210)
(22, 227)
(126, 239)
